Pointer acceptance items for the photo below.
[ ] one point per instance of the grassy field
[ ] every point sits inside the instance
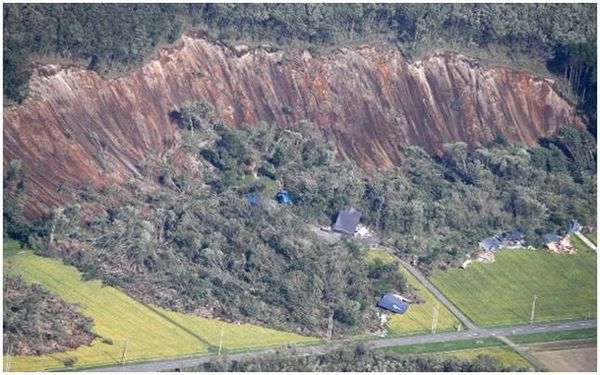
(502, 354)
(124, 324)
(467, 349)
(579, 334)
(501, 293)
(447, 346)
(418, 317)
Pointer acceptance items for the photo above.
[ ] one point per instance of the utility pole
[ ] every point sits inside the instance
(124, 356)
(221, 339)
(434, 318)
(8, 359)
(533, 309)
(330, 326)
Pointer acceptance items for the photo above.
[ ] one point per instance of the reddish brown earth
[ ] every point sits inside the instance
(77, 127)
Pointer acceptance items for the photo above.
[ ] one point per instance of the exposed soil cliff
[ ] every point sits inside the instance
(77, 127)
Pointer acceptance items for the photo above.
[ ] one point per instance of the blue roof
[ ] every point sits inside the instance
(251, 199)
(392, 303)
(284, 197)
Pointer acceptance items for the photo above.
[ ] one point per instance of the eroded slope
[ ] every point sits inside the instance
(78, 128)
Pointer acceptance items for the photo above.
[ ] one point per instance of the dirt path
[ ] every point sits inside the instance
(585, 240)
(435, 291)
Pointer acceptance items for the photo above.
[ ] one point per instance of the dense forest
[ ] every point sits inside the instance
(355, 359)
(187, 235)
(111, 37)
(37, 322)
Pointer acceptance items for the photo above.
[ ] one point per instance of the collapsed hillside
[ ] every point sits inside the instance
(78, 128)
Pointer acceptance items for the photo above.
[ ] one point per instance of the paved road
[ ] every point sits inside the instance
(455, 310)
(585, 240)
(166, 365)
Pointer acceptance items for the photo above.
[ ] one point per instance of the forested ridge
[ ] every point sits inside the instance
(109, 37)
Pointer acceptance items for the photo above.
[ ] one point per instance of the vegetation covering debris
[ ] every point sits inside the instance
(38, 322)
(122, 323)
(184, 237)
(356, 359)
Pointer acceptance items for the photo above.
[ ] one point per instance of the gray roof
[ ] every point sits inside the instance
(513, 235)
(490, 244)
(347, 221)
(551, 237)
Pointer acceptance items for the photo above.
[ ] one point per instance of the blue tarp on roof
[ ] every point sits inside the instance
(393, 303)
(251, 199)
(284, 197)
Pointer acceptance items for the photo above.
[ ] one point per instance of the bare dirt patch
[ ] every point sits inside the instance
(567, 356)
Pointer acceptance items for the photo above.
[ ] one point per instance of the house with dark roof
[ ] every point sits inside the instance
(513, 238)
(347, 221)
(394, 303)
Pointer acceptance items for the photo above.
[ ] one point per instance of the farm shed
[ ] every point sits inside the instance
(284, 197)
(394, 303)
(347, 221)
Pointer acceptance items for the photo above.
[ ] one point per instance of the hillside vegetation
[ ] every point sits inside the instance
(123, 329)
(186, 237)
(502, 293)
(109, 37)
(361, 359)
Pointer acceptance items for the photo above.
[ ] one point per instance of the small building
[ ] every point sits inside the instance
(575, 227)
(347, 221)
(283, 197)
(514, 238)
(394, 303)
(490, 244)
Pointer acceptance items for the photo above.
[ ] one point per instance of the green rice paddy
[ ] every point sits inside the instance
(502, 293)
